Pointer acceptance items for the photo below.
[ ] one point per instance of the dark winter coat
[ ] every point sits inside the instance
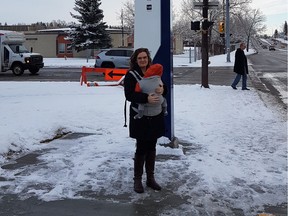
(240, 64)
(147, 127)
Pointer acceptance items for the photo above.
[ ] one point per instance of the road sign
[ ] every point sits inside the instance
(114, 74)
(195, 25)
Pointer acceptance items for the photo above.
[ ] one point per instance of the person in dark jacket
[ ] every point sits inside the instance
(240, 67)
(145, 130)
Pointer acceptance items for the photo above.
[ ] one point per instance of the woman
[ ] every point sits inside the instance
(145, 130)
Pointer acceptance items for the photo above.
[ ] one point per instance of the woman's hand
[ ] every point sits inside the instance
(153, 98)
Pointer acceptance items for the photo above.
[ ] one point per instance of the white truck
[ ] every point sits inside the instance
(14, 56)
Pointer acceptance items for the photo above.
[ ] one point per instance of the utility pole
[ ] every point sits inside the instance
(227, 31)
(205, 45)
(205, 5)
(122, 27)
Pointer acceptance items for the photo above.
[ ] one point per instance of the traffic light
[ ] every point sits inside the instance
(195, 25)
(206, 25)
(221, 27)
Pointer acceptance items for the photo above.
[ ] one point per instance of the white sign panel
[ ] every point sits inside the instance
(148, 25)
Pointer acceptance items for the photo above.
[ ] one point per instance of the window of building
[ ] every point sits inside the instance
(61, 47)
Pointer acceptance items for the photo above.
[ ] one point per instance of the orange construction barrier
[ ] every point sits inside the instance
(114, 74)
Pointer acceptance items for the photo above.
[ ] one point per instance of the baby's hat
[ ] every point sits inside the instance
(154, 70)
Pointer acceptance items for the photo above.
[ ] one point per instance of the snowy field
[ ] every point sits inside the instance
(233, 148)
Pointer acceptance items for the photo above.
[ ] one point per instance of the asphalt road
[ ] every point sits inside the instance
(182, 75)
(45, 74)
(270, 67)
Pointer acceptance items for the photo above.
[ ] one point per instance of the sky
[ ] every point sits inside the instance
(235, 145)
(47, 11)
(275, 11)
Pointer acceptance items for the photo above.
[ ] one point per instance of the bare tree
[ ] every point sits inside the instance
(128, 13)
(251, 22)
(240, 28)
(182, 23)
(189, 13)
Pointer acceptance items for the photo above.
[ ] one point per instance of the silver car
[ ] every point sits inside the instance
(271, 47)
(114, 58)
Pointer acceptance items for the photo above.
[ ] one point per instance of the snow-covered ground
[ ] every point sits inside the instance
(282, 40)
(235, 146)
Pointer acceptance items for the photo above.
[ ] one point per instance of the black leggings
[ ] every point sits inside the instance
(145, 146)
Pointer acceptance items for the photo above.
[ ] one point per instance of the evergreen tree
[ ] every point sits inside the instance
(285, 28)
(276, 33)
(91, 32)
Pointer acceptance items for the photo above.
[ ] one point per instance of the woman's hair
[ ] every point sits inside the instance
(133, 58)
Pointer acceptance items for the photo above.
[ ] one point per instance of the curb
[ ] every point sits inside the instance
(256, 82)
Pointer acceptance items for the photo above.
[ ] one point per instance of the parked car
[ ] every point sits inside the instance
(264, 46)
(271, 47)
(114, 58)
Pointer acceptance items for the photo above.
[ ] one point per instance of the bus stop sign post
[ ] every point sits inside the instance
(153, 31)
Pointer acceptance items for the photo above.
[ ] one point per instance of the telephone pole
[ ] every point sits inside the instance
(205, 5)
(122, 27)
(205, 45)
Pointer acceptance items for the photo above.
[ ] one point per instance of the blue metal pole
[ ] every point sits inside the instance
(155, 15)
(164, 56)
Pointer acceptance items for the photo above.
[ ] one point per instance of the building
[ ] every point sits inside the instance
(53, 43)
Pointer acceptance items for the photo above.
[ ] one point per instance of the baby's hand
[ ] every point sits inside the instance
(153, 98)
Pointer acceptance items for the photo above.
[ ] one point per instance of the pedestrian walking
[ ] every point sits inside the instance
(145, 130)
(240, 67)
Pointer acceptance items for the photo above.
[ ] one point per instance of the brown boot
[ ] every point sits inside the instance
(138, 172)
(150, 166)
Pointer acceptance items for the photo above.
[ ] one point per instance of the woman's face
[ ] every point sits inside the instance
(142, 59)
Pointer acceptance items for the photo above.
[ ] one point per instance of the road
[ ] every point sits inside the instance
(271, 68)
(45, 74)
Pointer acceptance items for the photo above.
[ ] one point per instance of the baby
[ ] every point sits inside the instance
(148, 84)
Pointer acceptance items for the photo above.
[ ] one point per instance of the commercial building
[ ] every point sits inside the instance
(53, 43)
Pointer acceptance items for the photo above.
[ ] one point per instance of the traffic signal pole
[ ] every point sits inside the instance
(227, 31)
(205, 5)
(205, 45)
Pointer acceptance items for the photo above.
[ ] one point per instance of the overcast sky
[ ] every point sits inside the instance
(31, 11)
